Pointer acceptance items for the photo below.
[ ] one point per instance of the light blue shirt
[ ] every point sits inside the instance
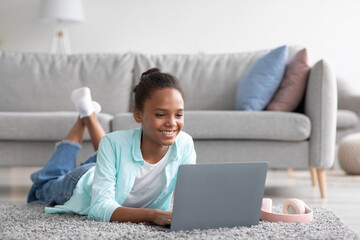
(104, 188)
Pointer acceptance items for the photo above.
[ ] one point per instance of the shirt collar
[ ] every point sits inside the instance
(136, 151)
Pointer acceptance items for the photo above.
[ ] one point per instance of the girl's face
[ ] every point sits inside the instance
(162, 117)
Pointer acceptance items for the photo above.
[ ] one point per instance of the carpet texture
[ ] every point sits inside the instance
(21, 221)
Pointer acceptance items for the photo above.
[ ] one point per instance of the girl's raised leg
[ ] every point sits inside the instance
(77, 132)
(95, 129)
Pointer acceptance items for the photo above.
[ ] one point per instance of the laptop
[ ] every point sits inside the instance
(218, 195)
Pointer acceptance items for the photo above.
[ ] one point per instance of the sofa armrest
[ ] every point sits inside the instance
(321, 108)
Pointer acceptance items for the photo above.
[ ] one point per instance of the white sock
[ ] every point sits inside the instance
(81, 97)
(97, 107)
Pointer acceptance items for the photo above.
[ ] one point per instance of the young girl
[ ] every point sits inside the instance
(133, 174)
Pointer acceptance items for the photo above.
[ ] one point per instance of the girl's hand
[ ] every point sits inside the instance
(161, 217)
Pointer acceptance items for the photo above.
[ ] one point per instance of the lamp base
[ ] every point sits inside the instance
(60, 42)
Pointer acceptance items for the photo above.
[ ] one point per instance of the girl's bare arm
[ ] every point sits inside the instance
(137, 215)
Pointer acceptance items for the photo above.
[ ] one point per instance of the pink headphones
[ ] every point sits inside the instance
(295, 211)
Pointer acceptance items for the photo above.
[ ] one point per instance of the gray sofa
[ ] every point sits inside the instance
(36, 111)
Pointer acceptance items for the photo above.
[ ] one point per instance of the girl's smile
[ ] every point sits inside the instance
(169, 134)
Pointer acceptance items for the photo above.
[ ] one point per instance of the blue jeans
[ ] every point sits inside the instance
(55, 183)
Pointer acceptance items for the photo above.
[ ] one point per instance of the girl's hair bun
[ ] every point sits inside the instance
(151, 70)
(145, 76)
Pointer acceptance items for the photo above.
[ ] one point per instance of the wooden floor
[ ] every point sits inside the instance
(343, 196)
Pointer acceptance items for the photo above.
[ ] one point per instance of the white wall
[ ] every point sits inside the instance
(328, 28)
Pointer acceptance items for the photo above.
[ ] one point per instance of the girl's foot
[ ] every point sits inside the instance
(81, 97)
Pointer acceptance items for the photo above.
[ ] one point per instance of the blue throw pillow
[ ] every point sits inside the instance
(261, 81)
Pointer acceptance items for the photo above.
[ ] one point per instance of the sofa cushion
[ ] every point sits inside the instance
(293, 85)
(346, 119)
(44, 82)
(266, 125)
(124, 121)
(261, 80)
(41, 126)
(204, 75)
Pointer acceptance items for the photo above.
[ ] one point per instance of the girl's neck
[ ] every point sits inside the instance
(151, 153)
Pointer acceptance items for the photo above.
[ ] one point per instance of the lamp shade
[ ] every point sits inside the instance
(54, 11)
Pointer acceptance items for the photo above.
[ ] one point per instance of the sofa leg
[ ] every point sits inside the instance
(322, 181)
(313, 176)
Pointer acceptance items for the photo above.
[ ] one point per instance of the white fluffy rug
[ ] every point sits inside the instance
(21, 221)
